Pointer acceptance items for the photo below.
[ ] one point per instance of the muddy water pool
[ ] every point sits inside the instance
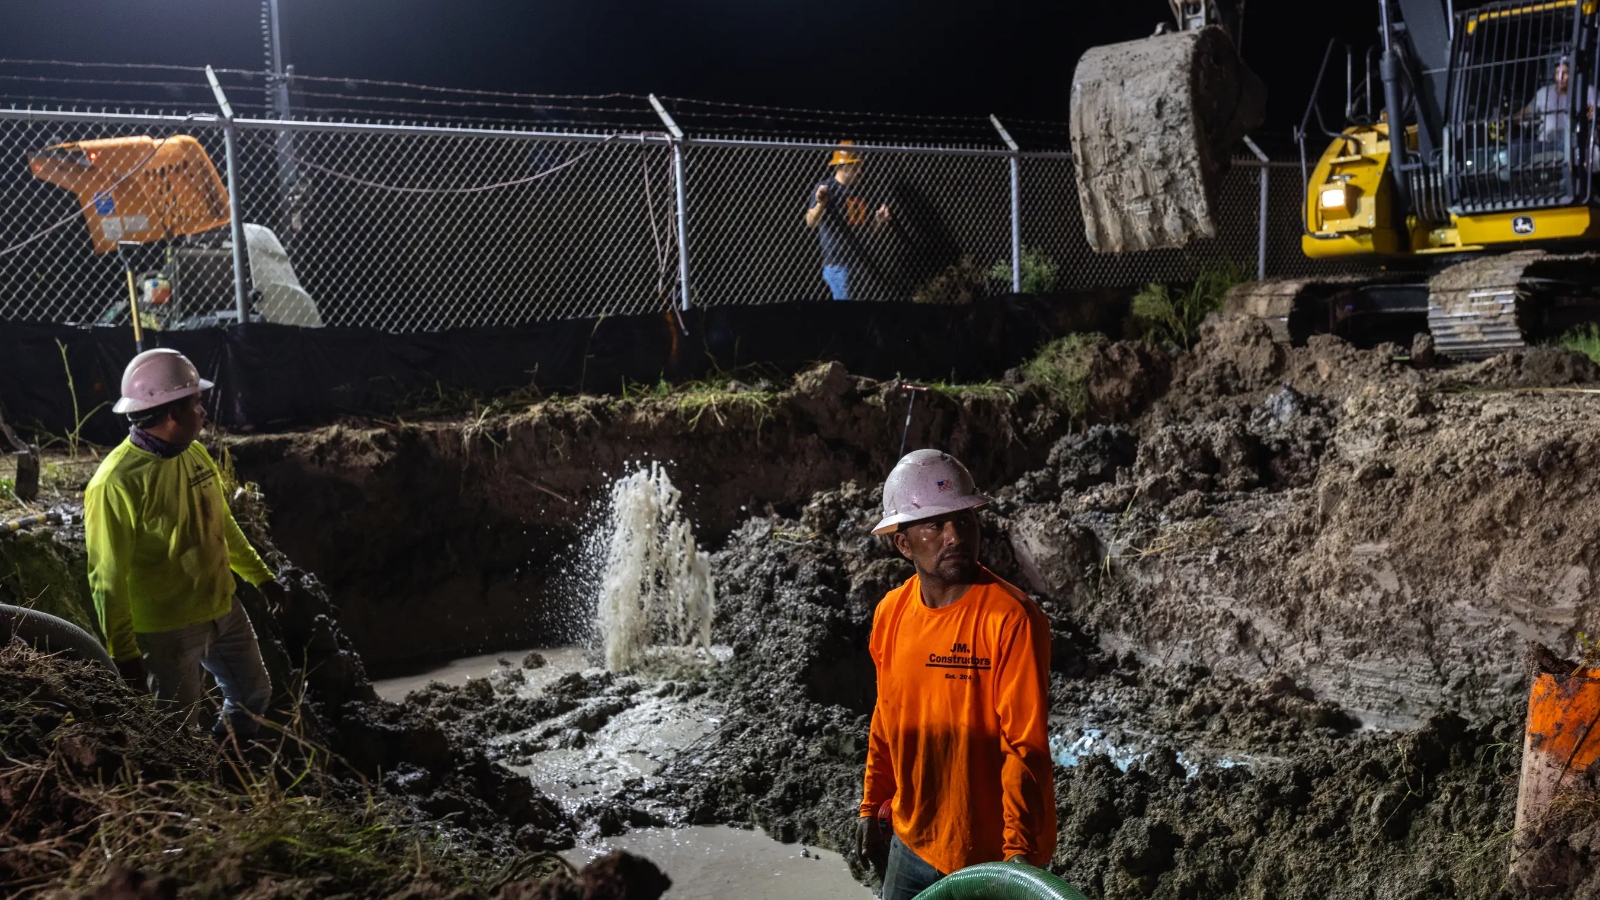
(703, 861)
(713, 862)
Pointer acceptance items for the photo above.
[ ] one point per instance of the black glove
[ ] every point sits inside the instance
(871, 842)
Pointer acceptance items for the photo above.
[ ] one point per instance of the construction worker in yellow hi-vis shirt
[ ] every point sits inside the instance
(163, 548)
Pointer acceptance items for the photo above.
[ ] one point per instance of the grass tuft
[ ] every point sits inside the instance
(1062, 369)
(1040, 272)
(1172, 316)
(1585, 340)
(720, 395)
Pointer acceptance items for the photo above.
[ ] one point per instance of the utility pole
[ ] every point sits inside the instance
(278, 79)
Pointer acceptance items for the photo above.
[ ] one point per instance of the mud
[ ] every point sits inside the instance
(424, 772)
(1391, 537)
(1290, 590)
(712, 863)
(1290, 602)
(106, 796)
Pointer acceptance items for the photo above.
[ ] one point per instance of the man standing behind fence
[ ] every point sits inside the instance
(835, 208)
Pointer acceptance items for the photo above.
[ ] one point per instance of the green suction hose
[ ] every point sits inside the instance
(1001, 881)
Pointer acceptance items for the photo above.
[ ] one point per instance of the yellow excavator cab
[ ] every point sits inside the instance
(139, 189)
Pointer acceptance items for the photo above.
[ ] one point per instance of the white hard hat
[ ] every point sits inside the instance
(158, 376)
(924, 484)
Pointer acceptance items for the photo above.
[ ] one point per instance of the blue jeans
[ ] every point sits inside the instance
(226, 647)
(838, 279)
(906, 875)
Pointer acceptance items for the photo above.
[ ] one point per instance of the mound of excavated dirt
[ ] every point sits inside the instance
(1290, 544)
(1290, 590)
(434, 774)
(1184, 782)
(1390, 537)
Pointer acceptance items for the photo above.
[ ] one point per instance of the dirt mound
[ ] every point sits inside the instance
(1289, 544)
(1170, 779)
(431, 772)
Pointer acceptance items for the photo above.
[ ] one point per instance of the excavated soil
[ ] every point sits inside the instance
(1291, 591)
(82, 756)
(1291, 602)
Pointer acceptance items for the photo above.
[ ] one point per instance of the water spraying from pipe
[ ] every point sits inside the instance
(655, 587)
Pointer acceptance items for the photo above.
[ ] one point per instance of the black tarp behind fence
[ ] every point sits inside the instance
(275, 377)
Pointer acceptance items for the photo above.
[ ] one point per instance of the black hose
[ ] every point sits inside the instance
(49, 634)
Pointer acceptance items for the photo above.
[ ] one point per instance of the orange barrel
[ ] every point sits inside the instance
(1561, 745)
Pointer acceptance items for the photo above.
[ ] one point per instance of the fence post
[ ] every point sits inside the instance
(1261, 212)
(235, 225)
(682, 193)
(1016, 205)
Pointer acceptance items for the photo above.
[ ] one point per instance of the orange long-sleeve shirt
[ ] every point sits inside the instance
(958, 733)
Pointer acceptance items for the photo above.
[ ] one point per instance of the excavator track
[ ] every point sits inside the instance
(1474, 309)
(1360, 309)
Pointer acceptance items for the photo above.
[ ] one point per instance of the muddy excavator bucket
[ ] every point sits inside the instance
(1153, 124)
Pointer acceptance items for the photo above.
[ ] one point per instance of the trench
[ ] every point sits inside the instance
(448, 539)
(1289, 590)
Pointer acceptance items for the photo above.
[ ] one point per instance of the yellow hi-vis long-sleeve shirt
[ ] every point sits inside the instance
(162, 544)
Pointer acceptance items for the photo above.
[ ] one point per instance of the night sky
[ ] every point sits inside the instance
(918, 56)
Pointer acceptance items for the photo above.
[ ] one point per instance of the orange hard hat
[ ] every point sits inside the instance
(841, 157)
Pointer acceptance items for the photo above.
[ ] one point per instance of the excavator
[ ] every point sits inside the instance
(1478, 226)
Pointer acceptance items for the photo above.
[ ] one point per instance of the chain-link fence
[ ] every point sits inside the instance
(409, 227)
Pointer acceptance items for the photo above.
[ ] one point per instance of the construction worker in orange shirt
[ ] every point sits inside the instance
(958, 747)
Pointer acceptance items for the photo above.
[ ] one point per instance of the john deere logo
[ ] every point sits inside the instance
(1522, 225)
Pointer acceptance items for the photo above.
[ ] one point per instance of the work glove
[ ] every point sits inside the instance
(871, 842)
(132, 671)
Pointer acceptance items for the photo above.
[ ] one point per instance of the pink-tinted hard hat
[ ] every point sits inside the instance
(158, 376)
(924, 484)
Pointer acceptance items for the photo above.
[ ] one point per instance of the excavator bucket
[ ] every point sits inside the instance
(1153, 124)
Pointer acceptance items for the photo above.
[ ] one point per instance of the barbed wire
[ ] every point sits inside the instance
(45, 79)
(325, 114)
(108, 104)
(71, 64)
(317, 96)
(473, 104)
(766, 117)
(827, 112)
(433, 88)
